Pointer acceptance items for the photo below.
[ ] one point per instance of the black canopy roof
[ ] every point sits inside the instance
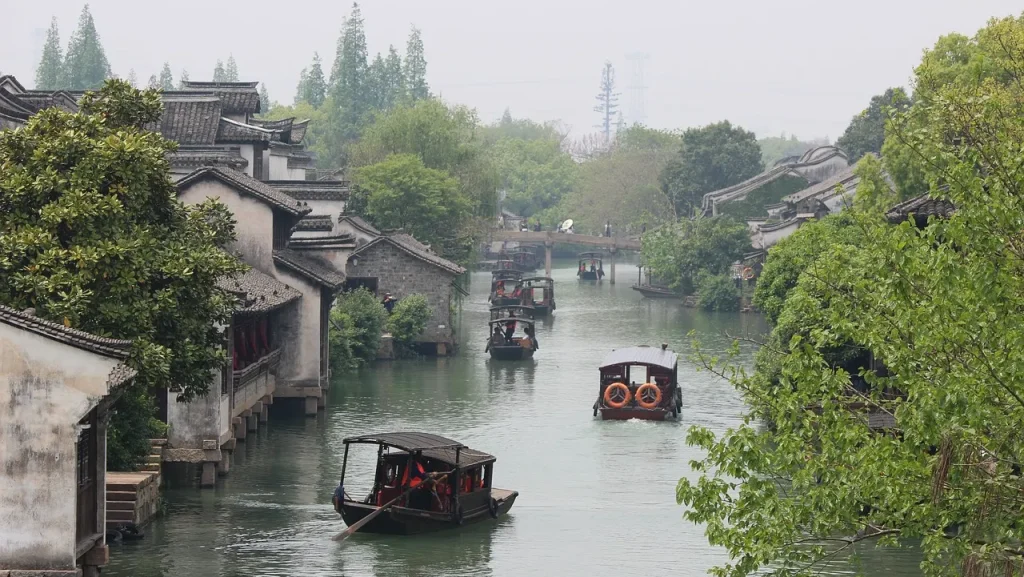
(429, 445)
(665, 358)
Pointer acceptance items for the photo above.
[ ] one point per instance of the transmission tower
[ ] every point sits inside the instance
(637, 111)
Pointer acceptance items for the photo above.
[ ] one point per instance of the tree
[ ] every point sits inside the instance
(607, 101)
(219, 74)
(680, 253)
(415, 71)
(939, 308)
(86, 65)
(394, 80)
(316, 85)
(182, 79)
(402, 193)
(166, 78)
(231, 70)
(866, 132)
(264, 97)
(92, 236)
(710, 158)
(50, 72)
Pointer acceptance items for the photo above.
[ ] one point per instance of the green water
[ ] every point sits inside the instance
(596, 498)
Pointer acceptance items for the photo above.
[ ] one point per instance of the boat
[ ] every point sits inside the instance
(639, 383)
(656, 292)
(590, 266)
(457, 489)
(504, 284)
(511, 338)
(539, 291)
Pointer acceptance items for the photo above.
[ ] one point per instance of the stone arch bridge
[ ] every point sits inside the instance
(612, 244)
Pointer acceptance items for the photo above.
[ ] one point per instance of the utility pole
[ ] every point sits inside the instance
(637, 89)
(607, 101)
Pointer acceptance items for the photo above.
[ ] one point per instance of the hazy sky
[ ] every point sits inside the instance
(801, 67)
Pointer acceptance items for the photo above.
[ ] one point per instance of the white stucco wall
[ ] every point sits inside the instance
(255, 228)
(300, 341)
(46, 387)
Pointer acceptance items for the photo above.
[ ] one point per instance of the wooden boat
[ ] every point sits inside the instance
(639, 383)
(463, 495)
(504, 284)
(590, 266)
(656, 292)
(539, 291)
(516, 344)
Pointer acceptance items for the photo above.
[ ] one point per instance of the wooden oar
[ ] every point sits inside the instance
(359, 524)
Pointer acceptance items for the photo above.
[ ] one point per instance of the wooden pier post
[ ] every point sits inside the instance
(547, 257)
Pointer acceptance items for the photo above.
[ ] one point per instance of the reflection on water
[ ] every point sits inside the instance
(596, 498)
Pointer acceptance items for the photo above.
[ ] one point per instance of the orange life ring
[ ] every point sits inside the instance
(644, 395)
(623, 393)
(748, 273)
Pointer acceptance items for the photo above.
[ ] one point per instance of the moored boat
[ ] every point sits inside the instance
(639, 383)
(656, 292)
(423, 483)
(590, 266)
(539, 292)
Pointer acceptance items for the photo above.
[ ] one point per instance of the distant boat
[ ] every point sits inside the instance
(656, 292)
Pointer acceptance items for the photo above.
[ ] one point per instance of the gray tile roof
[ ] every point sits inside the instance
(233, 131)
(235, 97)
(921, 207)
(258, 292)
(310, 267)
(189, 119)
(249, 185)
(413, 248)
(359, 223)
(113, 348)
(316, 222)
(312, 189)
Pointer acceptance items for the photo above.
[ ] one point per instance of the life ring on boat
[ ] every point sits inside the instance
(616, 395)
(492, 507)
(648, 396)
(748, 273)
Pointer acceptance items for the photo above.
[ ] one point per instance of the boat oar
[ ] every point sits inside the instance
(359, 524)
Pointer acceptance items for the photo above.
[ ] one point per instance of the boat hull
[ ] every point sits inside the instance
(511, 353)
(404, 521)
(656, 292)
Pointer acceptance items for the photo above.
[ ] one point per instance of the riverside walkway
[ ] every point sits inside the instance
(612, 244)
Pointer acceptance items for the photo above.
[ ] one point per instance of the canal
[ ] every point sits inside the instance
(596, 498)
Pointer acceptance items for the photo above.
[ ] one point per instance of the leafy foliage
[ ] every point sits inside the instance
(402, 193)
(408, 319)
(357, 321)
(710, 158)
(91, 235)
(680, 252)
(718, 293)
(940, 308)
(866, 132)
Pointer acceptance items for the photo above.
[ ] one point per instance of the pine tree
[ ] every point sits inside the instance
(416, 67)
(349, 82)
(231, 72)
(218, 72)
(182, 79)
(607, 101)
(302, 88)
(377, 88)
(394, 86)
(86, 66)
(316, 83)
(133, 79)
(50, 72)
(166, 78)
(264, 99)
